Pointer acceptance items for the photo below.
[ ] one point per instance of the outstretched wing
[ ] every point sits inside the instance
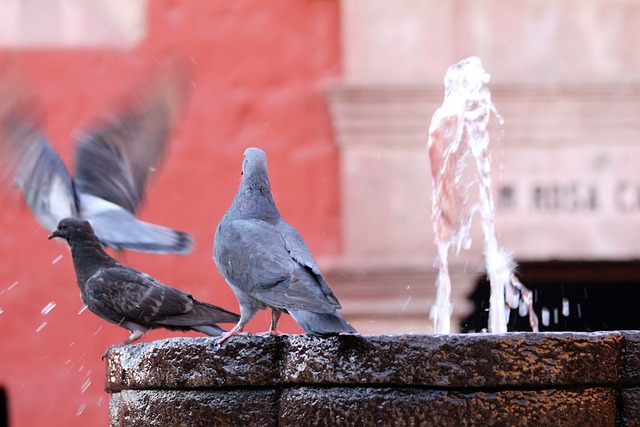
(116, 155)
(27, 159)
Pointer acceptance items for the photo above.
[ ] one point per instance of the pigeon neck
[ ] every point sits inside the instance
(88, 256)
(254, 200)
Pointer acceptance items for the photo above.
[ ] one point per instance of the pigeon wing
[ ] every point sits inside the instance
(27, 159)
(116, 155)
(253, 257)
(301, 253)
(124, 294)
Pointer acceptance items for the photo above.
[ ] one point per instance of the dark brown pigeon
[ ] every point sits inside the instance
(267, 264)
(115, 156)
(129, 298)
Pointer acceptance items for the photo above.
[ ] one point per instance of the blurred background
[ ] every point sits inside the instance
(340, 94)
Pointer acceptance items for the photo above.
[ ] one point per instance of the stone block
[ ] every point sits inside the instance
(343, 406)
(472, 360)
(191, 363)
(631, 362)
(190, 408)
(630, 407)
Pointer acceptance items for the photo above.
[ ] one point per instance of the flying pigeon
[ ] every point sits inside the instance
(114, 158)
(267, 264)
(129, 298)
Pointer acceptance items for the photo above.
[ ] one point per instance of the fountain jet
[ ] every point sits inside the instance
(458, 131)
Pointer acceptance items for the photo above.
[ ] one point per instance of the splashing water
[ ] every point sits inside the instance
(47, 308)
(458, 130)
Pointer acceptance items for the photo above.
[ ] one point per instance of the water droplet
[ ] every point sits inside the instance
(41, 327)
(47, 308)
(81, 409)
(565, 307)
(56, 259)
(579, 311)
(555, 316)
(545, 316)
(85, 385)
(405, 304)
(523, 310)
(84, 307)
(13, 285)
(1, 310)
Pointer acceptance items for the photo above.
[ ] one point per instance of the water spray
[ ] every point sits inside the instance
(458, 132)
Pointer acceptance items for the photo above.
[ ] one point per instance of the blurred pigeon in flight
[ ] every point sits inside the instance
(129, 298)
(114, 158)
(267, 264)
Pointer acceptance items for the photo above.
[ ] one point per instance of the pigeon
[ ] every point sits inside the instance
(129, 298)
(267, 264)
(114, 159)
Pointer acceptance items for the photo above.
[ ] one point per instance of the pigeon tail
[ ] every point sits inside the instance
(321, 324)
(209, 313)
(202, 317)
(119, 229)
(158, 240)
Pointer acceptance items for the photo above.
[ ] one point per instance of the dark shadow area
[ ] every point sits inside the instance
(4, 409)
(570, 296)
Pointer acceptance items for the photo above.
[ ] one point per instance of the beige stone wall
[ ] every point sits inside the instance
(72, 23)
(566, 79)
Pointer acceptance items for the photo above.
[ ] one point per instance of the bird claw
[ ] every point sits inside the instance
(270, 332)
(229, 334)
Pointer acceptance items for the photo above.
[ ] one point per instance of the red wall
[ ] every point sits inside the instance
(259, 73)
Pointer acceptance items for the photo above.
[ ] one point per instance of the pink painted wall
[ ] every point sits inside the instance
(259, 73)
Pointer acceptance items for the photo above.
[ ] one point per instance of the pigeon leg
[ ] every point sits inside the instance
(273, 329)
(237, 330)
(275, 317)
(137, 334)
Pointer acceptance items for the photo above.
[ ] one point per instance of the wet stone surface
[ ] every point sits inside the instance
(472, 360)
(476, 379)
(147, 408)
(630, 407)
(186, 363)
(410, 406)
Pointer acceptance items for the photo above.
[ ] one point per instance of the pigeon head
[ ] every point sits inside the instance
(68, 228)
(254, 170)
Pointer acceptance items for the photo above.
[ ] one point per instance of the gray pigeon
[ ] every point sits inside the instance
(114, 159)
(267, 264)
(129, 298)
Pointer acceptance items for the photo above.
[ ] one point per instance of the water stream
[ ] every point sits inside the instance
(458, 138)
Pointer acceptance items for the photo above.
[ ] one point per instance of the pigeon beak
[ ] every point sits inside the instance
(53, 234)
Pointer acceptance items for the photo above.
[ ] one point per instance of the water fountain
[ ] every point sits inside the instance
(571, 379)
(458, 131)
